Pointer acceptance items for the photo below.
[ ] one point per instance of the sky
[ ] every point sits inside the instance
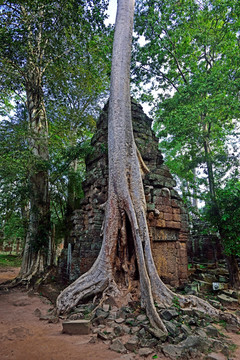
(112, 9)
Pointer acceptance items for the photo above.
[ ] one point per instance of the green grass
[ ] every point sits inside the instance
(10, 260)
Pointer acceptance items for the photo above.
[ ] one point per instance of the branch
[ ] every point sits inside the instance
(163, 75)
(55, 58)
(174, 56)
(15, 66)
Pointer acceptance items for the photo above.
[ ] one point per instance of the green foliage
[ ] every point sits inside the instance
(175, 302)
(15, 164)
(68, 44)
(10, 260)
(191, 62)
(227, 217)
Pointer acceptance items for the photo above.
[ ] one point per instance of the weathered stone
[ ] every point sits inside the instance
(142, 332)
(157, 333)
(101, 335)
(217, 345)
(53, 320)
(77, 316)
(93, 340)
(141, 318)
(214, 303)
(135, 329)
(232, 293)
(77, 327)
(214, 356)
(106, 307)
(232, 328)
(223, 279)
(201, 333)
(171, 328)
(37, 313)
(204, 286)
(100, 320)
(169, 314)
(196, 342)
(131, 321)
(192, 322)
(129, 356)
(227, 300)
(182, 336)
(126, 329)
(118, 330)
(132, 343)
(102, 313)
(119, 320)
(212, 331)
(145, 351)
(172, 351)
(118, 346)
(186, 330)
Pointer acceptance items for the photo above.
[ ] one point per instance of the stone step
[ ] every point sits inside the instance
(76, 327)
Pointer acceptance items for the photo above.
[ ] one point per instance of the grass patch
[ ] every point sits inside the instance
(10, 260)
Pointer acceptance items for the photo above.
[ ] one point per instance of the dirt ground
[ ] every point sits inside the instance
(24, 337)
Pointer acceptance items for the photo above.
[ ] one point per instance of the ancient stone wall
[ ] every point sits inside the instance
(202, 245)
(167, 217)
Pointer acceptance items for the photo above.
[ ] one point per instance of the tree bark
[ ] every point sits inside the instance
(38, 248)
(234, 276)
(71, 201)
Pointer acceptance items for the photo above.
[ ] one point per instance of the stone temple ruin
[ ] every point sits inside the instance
(166, 215)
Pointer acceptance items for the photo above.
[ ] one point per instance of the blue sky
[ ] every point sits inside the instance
(112, 9)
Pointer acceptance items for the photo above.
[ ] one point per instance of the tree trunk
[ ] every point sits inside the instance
(38, 249)
(71, 201)
(234, 276)
(126, 254)
(207, 150)
(195, 194)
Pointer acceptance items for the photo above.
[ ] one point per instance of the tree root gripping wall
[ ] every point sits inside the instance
(167, 217)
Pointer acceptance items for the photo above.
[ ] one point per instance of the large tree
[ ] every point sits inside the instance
(191, 59)
(126, 252)
(35, 35)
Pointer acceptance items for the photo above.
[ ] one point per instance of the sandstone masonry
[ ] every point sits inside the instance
(167, 217)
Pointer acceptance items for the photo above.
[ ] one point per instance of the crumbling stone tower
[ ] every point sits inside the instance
(167, 217)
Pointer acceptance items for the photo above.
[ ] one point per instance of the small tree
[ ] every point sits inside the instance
(226, 221)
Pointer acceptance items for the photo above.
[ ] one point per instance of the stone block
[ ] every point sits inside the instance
(176, 210)
(132, 343)
(167, 216)
(76, 327)
(145, 351)
(176, 217)
(160, 223)
(157, 200)
(173, 224)
(151, 215)
(118, 346)
(175, 204)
